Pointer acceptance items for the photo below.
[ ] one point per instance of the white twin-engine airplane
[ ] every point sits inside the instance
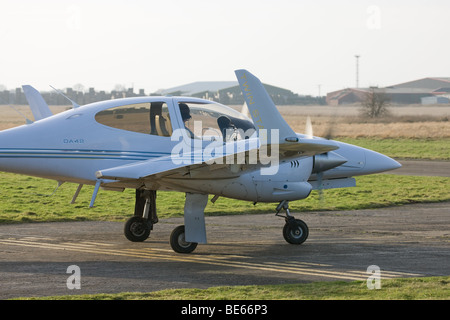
(184, 144)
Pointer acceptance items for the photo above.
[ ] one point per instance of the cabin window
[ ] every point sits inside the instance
(149, 118)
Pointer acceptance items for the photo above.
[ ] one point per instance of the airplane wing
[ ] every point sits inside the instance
(161, 167)
(38, 106)
(177, 163)
(173, 164)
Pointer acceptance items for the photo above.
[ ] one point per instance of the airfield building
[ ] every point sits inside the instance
(425, 91)
(229, 93)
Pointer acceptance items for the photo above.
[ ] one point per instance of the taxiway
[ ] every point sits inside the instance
(406, 241)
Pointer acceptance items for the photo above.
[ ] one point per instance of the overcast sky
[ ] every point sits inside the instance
(294, 44)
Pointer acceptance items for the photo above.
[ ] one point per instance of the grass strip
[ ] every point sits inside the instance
(27, 199)
(426, 288)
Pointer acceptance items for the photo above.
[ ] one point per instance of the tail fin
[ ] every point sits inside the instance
(38, 106)
(264, 113)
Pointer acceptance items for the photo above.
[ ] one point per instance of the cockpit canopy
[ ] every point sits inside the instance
(204, 120)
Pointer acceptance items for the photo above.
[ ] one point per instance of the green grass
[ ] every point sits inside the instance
(430, 288)
(433, 149)
(26, 199)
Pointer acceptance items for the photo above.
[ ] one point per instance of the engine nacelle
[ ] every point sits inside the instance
(289, 183)
(327, 161)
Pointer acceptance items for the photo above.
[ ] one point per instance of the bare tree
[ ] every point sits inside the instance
(120, 88)
(375, 103)
(79, 87)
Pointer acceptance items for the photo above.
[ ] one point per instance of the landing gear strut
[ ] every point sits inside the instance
(295, 231)
(138, 227)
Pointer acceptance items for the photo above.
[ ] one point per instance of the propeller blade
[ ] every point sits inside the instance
(309, 129)
(245, 111)
(319, 180)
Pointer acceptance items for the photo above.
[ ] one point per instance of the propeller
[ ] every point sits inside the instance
(319, 174)
(324, 161)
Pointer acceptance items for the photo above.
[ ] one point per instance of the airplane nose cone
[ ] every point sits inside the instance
(377, 162)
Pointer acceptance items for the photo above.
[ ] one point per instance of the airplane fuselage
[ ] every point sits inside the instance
(72, 146)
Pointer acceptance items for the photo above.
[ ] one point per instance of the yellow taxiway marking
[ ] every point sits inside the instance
(291, 267)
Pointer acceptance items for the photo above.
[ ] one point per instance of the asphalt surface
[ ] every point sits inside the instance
(423, 168)
(405, 241)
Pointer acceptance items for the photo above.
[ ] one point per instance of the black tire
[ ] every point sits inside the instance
(137, 229)
(178, 243)
(295, 232)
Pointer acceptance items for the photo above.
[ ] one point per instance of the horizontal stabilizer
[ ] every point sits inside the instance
(38, 106)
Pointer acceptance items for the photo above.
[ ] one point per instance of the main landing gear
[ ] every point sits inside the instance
(184, 238)
(178, 241)
(138, 227)
(295, 231)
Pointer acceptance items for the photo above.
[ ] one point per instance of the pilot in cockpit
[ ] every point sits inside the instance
(186, 116)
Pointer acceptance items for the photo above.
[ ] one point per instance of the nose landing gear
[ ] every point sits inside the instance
(295, 231)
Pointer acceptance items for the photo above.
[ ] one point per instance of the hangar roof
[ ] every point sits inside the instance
(198, 87)
(425, 83)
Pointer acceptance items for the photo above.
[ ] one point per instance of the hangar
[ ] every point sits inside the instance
(411, 92)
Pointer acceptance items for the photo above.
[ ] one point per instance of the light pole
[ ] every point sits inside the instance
(357, 70)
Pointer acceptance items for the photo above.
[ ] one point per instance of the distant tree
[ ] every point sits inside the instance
(120, 88)
(79, 87)
(375, 103)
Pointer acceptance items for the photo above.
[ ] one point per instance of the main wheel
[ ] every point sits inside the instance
(295, 232)
(178, 242)
(137, 229)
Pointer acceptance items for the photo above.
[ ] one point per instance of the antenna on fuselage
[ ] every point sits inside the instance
(74, 104)
(28, 121)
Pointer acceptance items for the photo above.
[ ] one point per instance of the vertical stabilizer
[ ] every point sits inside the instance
(264, 113)
(38, 106)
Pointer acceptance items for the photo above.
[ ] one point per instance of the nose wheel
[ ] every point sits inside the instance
(295, 231)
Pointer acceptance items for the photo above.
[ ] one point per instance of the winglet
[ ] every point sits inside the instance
(38, 106)
(264, 113)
